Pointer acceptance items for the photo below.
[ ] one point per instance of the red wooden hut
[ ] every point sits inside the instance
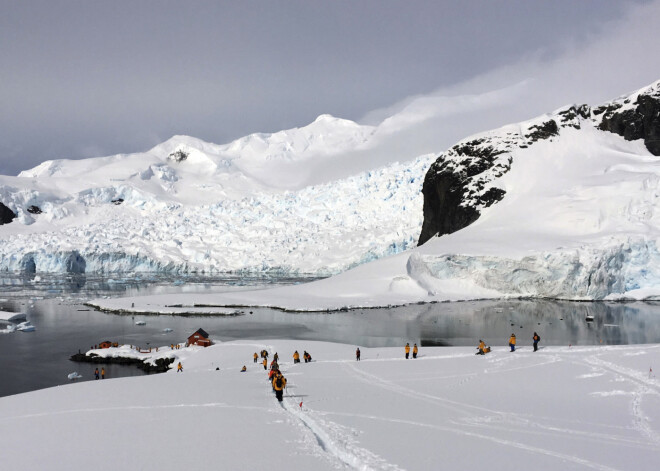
(200, 337)
(105, 344)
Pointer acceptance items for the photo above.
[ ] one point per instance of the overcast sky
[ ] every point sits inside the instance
(90, 78)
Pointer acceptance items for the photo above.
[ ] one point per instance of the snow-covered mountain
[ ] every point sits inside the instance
(191, 206)
(574, 215)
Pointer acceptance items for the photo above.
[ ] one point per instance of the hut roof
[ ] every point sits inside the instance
(201, 332)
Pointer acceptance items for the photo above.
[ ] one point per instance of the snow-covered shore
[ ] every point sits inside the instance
(559, 408)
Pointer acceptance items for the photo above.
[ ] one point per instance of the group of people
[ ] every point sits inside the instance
(296, 357)
(415, 350)
(96, 373)
(483, 349)
(275, 376)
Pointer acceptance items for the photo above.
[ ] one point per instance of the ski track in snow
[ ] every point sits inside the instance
(496, 420)
(515, 444)
(333, 440)
(644, 386)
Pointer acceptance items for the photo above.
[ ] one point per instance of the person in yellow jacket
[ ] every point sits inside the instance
(481, 348)
(265, 363)
(255, 357)
(415, 351)
(279, 383)
(179, 367)
(407, 350)
(512, 342)
(244, 369)
(296, 357)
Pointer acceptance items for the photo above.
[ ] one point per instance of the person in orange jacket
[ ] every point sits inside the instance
(512, 342)
(179, 367)
(265, 363)
(415, 350)
(296, 357)
(255, 357)
(102, 372)
(407, 350)
(481, 348)
(279, 383)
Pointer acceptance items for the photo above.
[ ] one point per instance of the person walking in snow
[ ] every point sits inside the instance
(296, 357)
(279, 383)
(512, 342)
(255, 357)
(102, 372)
(407, 349)
(357, 354)
(96, 373)
(536, 339)
(276, 357)
(265, 363)
(179, 368)
(415, 350)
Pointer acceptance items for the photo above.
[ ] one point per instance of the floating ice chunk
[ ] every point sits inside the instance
(26, 327)
(73, 376)
(140, 323)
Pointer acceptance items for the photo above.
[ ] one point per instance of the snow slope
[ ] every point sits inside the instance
(580, 408)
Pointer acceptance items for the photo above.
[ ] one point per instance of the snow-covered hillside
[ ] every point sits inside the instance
(187, 205)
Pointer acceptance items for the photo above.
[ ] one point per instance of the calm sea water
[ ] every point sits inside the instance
(34, 360)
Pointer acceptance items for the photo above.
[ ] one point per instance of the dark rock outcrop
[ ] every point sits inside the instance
(641, 121)
(161, 366)
(34, 209)
(178, 156)
(458, 184)
(6, 214)
(117, 201)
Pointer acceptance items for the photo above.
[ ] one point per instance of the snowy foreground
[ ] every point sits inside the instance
(559, 408)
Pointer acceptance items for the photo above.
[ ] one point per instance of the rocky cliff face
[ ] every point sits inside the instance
(6, 215)
(463, 180)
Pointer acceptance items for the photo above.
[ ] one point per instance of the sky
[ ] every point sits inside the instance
(88, 78)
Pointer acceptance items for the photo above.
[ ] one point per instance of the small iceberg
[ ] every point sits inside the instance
(73, 376)
(26, 327)
(167, 329)
(140, 323)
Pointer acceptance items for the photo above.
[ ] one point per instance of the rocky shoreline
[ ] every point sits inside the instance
(161, 364)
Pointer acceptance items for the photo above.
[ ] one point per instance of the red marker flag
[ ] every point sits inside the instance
(300, 404)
